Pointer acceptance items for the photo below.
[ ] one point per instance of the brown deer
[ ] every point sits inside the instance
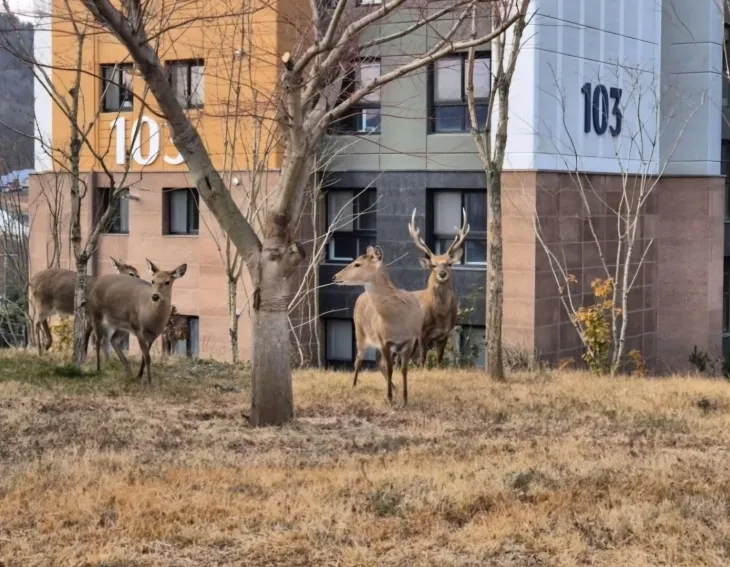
(52, 293)
(135, 306)
(438, 301)
(385, 317)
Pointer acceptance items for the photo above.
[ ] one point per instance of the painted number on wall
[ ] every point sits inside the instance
(595, 101)
(149, 130)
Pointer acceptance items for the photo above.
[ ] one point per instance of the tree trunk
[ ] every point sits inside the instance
(233, 318)
(272, 400)
(495, 277)
(79, 350)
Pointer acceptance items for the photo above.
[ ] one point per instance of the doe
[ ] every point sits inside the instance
(138, 307)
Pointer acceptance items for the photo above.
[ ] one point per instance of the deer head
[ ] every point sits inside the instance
(362, 270)
(124, 269)
(439, 264)
(161, 283)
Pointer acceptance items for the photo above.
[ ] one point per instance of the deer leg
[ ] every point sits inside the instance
(358, 364)
(387, 369)
(146, 360)
(440, 347)
(383, 368)
(118, 350)
(47, 332)
(87, 336)
(38, 337)
(422, 351)
(406, 354)
(97, 331)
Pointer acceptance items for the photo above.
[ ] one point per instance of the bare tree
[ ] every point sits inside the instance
(505, 52)
(641, 166)
(327, 41)
(15, 317)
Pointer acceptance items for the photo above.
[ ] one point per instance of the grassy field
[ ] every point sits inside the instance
(547, 469)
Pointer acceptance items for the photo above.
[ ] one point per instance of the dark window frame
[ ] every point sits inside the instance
(193, 199)
(369, 234)
(475, 235)
(339, 363)
(434, 105)
(117, 81)
(188, 64)
(115, 222)
(350, 124)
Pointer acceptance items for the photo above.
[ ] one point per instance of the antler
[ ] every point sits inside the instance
(415, 236)
(460, 235)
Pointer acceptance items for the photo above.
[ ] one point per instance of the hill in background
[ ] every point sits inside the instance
(16, 96)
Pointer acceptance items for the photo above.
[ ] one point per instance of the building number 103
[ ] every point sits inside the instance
(153, 139)
(595, 102)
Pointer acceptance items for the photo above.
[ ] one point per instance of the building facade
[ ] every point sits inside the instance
(605, 93)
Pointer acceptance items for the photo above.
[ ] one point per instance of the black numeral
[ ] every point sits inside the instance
(595, 104)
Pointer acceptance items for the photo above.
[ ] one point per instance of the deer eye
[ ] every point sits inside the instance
(167, 282)
(357, 264)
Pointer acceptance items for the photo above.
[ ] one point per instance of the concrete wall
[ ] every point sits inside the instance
(201, 292)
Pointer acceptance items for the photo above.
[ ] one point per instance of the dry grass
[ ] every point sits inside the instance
(543, 470)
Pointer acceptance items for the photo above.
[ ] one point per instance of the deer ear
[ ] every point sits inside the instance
(425, 262)
(179, 271)
(115, 263)
(151, 267)
(370, 251)
(378, 252)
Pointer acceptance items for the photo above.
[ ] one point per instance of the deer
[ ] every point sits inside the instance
(386, 317)
(438, 301)
(52, 293)
(142, 308)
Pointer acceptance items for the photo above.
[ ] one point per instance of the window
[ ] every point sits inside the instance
(117, 88)
(188, 81)
(119, 222)
(340, 347)
(181, 207)
(448, 92)
(364, 117)
(189, 346)
(447, 218)
(725, 71)
(352, 217)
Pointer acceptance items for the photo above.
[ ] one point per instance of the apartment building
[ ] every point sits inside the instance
(160, 216)
(408, 146)
(419, 153)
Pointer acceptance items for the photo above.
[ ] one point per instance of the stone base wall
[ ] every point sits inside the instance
(676, 298)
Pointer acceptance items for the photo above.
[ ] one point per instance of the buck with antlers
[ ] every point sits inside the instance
(438, 301)
(385, 317)
(52, 293)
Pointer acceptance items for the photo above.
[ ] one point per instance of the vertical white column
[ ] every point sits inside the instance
(43, 54)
